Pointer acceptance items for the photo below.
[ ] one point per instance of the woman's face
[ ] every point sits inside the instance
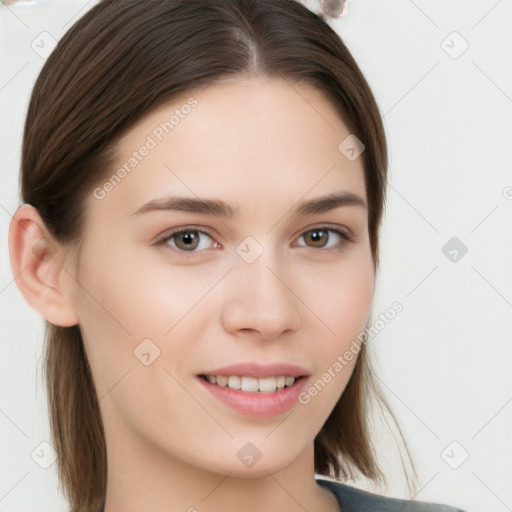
(261, 281)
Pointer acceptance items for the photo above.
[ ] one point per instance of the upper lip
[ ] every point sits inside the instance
(260, 370)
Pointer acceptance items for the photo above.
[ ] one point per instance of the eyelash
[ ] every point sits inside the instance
(162, 241)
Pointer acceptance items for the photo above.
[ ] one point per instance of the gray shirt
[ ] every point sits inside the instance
(352, 499)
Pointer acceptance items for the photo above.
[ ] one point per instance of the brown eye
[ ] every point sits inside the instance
(319, 238)
(186, 240)
(191, 241)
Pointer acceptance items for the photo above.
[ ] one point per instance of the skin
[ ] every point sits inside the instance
(264, 145)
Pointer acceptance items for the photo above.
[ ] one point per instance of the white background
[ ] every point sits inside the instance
(445, 360)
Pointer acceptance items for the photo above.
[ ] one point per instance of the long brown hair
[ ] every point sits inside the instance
(119, 62)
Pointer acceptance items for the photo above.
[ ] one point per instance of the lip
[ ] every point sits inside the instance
(257, 404)
(260, 370)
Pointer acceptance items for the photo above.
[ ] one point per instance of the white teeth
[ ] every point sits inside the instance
(252, 384)
(288, 381)
(268, 384)
(222, 380)
(249, 384)
(234, 382)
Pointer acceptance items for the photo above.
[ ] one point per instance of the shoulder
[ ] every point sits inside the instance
(352, 499)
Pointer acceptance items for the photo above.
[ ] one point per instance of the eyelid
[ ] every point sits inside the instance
(173, 231)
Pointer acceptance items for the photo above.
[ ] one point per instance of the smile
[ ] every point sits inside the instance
(254, 401)
(252, 384)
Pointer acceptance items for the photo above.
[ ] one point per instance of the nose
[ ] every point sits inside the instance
(260, 300)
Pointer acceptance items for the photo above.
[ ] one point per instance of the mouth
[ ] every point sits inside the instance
(249, 384)
(264, 396)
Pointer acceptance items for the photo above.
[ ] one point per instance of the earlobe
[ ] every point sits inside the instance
(37, 264)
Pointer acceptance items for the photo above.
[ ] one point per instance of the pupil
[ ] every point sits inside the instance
(187, 239)
(317, 235)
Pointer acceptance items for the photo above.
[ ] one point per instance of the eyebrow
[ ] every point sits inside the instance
(229, 210)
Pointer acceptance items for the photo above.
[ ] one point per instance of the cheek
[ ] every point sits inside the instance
(123, 301)
(149, 296)
(350, 307)
(342, 298)
(113, 312)
(343, 309)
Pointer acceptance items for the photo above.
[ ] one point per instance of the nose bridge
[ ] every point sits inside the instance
(259, 299)
(262, 278)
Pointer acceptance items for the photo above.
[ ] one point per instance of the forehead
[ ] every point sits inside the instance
(248, 141)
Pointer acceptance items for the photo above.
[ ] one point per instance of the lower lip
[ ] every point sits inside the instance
(257, 404)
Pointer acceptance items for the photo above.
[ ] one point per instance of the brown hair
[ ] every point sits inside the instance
(119, 62)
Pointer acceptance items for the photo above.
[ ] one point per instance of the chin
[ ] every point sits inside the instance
(241, 465)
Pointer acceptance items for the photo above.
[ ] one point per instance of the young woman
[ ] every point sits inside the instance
(203, 184)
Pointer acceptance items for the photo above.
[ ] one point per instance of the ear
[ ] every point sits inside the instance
(37, 264)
